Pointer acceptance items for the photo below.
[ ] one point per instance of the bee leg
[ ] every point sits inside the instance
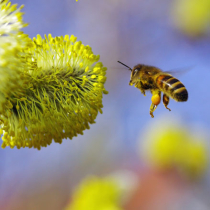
(166, 101)
(143, 92)
(152, 109)
(156, 97)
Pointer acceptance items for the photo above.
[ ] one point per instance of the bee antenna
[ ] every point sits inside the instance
(125, 65)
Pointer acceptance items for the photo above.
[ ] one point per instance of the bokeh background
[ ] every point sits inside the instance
(169, 34)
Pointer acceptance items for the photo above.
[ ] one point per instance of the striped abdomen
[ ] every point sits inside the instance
(172, 87)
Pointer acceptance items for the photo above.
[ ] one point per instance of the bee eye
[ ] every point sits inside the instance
(135, 71)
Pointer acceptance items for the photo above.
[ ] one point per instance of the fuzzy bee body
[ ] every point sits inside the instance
(172, 87)
(152, 78)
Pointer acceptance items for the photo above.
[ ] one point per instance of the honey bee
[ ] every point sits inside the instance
(152, 78)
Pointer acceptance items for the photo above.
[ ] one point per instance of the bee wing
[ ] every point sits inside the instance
(180, 71)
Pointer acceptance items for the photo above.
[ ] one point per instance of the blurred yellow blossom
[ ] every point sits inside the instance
(104, 193)
(192, 17)
(12, 42)
(173, 146)
(11, 18)
(50, 88)
(96, 193)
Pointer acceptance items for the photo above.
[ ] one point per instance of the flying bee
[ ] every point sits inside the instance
(152, 78)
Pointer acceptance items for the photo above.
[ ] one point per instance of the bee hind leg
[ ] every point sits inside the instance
(152, 109)
(156, 97)
(166, 101)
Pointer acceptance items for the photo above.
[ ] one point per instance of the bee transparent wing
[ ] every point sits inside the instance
(180, 71)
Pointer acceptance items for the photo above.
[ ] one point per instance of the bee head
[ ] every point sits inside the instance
(134, 72)
(135, 76)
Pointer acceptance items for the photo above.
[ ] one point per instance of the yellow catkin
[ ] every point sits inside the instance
(51, 88)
